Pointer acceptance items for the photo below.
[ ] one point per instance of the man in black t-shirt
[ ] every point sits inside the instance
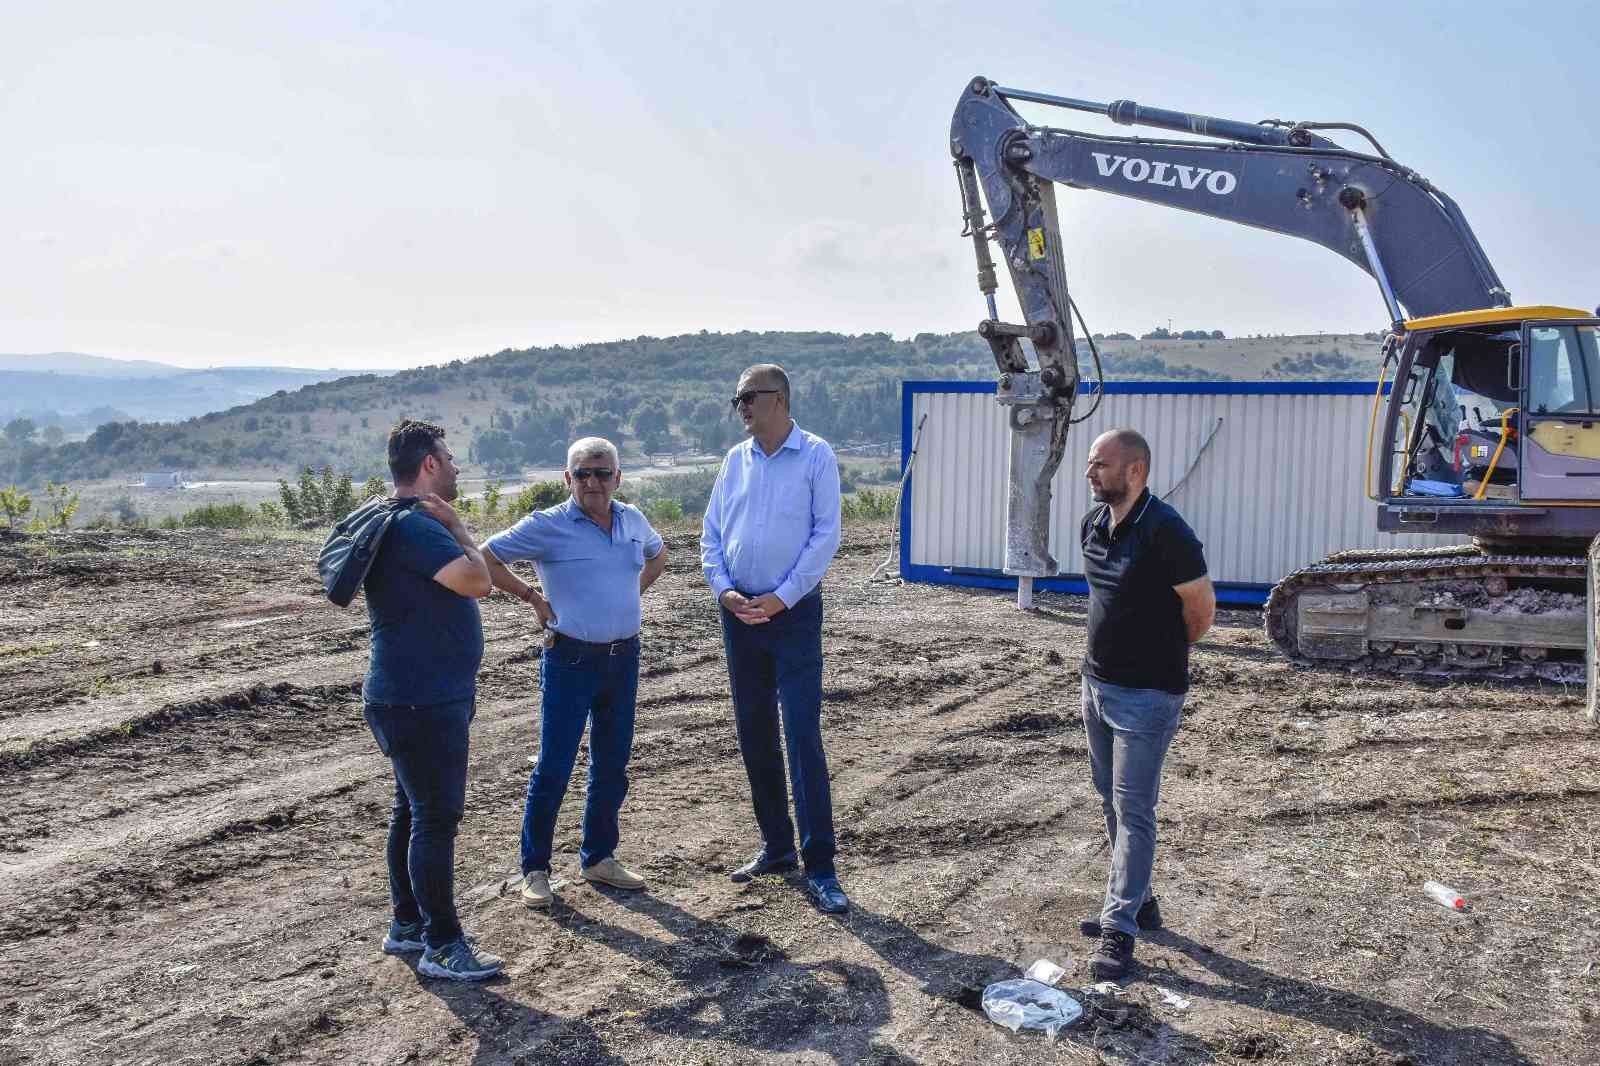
(427, 641)
(1149, 599)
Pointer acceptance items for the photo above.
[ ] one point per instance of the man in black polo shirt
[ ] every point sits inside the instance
(1149, 599)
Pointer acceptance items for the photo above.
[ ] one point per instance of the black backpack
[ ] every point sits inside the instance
(353, 544)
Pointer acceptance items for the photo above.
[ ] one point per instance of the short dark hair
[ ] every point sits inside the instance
(410, 442)
(774, 376)
(1133, 445)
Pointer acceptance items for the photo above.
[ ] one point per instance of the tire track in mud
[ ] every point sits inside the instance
(118, 739)
(1434, 744)
(106, 790)
(1481, 799)
(153, 863)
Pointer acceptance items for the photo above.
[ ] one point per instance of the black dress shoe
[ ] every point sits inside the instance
(762, 864)
(1149, 919)
(827, 895)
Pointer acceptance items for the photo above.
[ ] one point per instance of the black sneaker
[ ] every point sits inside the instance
(1114, 958)
(1149, 919)
(460, 960)
(761, 864)
(403, 937)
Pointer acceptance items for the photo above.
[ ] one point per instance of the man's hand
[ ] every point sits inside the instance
(541, 607)
(440, 508)
(744, 610)
(769, 605)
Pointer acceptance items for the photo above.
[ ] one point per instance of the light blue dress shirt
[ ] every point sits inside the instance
(772, 523)
(590, 577)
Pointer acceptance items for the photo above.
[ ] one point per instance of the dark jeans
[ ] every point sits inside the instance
(780, 663)
(427, 746)
(582, 685)
(1129, 731)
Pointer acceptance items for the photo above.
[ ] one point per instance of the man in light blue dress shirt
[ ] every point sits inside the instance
(595, 557)
(771, 529)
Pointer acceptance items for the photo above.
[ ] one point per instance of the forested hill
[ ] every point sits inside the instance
(651, 394)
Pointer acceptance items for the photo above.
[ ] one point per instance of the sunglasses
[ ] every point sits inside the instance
(599, 473)
(748, 397)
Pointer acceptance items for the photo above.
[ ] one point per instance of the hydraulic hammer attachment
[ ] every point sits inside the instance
(1038, 403)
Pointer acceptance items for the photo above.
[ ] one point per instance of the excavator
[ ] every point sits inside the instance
(1485, 421)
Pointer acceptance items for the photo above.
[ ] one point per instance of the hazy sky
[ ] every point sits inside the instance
(388, 184)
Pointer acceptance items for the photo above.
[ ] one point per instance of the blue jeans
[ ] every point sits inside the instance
(1129, 730)
(427, 746)
(582, 685)
(780, 663)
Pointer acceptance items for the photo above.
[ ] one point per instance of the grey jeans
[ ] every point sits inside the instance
(1129, 730)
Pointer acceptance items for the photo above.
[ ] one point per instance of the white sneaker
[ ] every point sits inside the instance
(613, 873)
(536, 890)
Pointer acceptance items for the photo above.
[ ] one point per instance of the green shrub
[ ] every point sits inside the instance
(536, 497)
(691, 491)
(867, 504)
(318, 502)
(217, 516)
(15, 503)
(663, 509)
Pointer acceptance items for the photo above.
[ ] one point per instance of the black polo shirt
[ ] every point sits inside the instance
(1137, 638)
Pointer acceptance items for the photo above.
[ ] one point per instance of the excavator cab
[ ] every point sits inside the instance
(1492, 425)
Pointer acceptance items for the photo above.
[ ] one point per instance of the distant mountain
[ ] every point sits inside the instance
(172, 395)
(93, 366)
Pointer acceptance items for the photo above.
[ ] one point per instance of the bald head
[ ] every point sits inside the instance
(1132, 444)
(1118, 467)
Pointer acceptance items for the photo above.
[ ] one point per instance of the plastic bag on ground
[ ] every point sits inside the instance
(1024, 1004)
(1045, 972)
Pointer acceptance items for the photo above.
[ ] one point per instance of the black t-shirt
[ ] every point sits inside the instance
(427, 641)
(1137, 638)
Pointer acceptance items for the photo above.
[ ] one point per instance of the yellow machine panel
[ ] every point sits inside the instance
(1579, 440)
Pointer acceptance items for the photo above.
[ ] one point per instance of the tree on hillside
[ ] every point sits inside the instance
(652, 428)
(544, 433)
(598, 424)
(20, 430)
(497, 450)
(711, 427)
(816, 405)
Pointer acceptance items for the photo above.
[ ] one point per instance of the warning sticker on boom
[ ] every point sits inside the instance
(1036, 243)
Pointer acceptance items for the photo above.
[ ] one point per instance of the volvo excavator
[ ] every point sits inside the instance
(1486, 418)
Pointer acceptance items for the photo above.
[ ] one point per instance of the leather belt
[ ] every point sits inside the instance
(611, 647)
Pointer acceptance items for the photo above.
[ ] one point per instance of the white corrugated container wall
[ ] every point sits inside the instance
(1280, 485)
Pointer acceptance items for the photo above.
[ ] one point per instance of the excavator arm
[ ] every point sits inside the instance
(1287, 178)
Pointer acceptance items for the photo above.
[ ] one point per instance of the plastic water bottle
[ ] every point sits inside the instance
(1444, 894)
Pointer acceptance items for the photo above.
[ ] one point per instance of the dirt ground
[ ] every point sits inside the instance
(192, 821)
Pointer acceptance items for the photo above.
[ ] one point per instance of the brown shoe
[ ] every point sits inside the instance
(613, 873)
(536, 890)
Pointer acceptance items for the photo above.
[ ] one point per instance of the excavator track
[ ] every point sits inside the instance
(1460, 612)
